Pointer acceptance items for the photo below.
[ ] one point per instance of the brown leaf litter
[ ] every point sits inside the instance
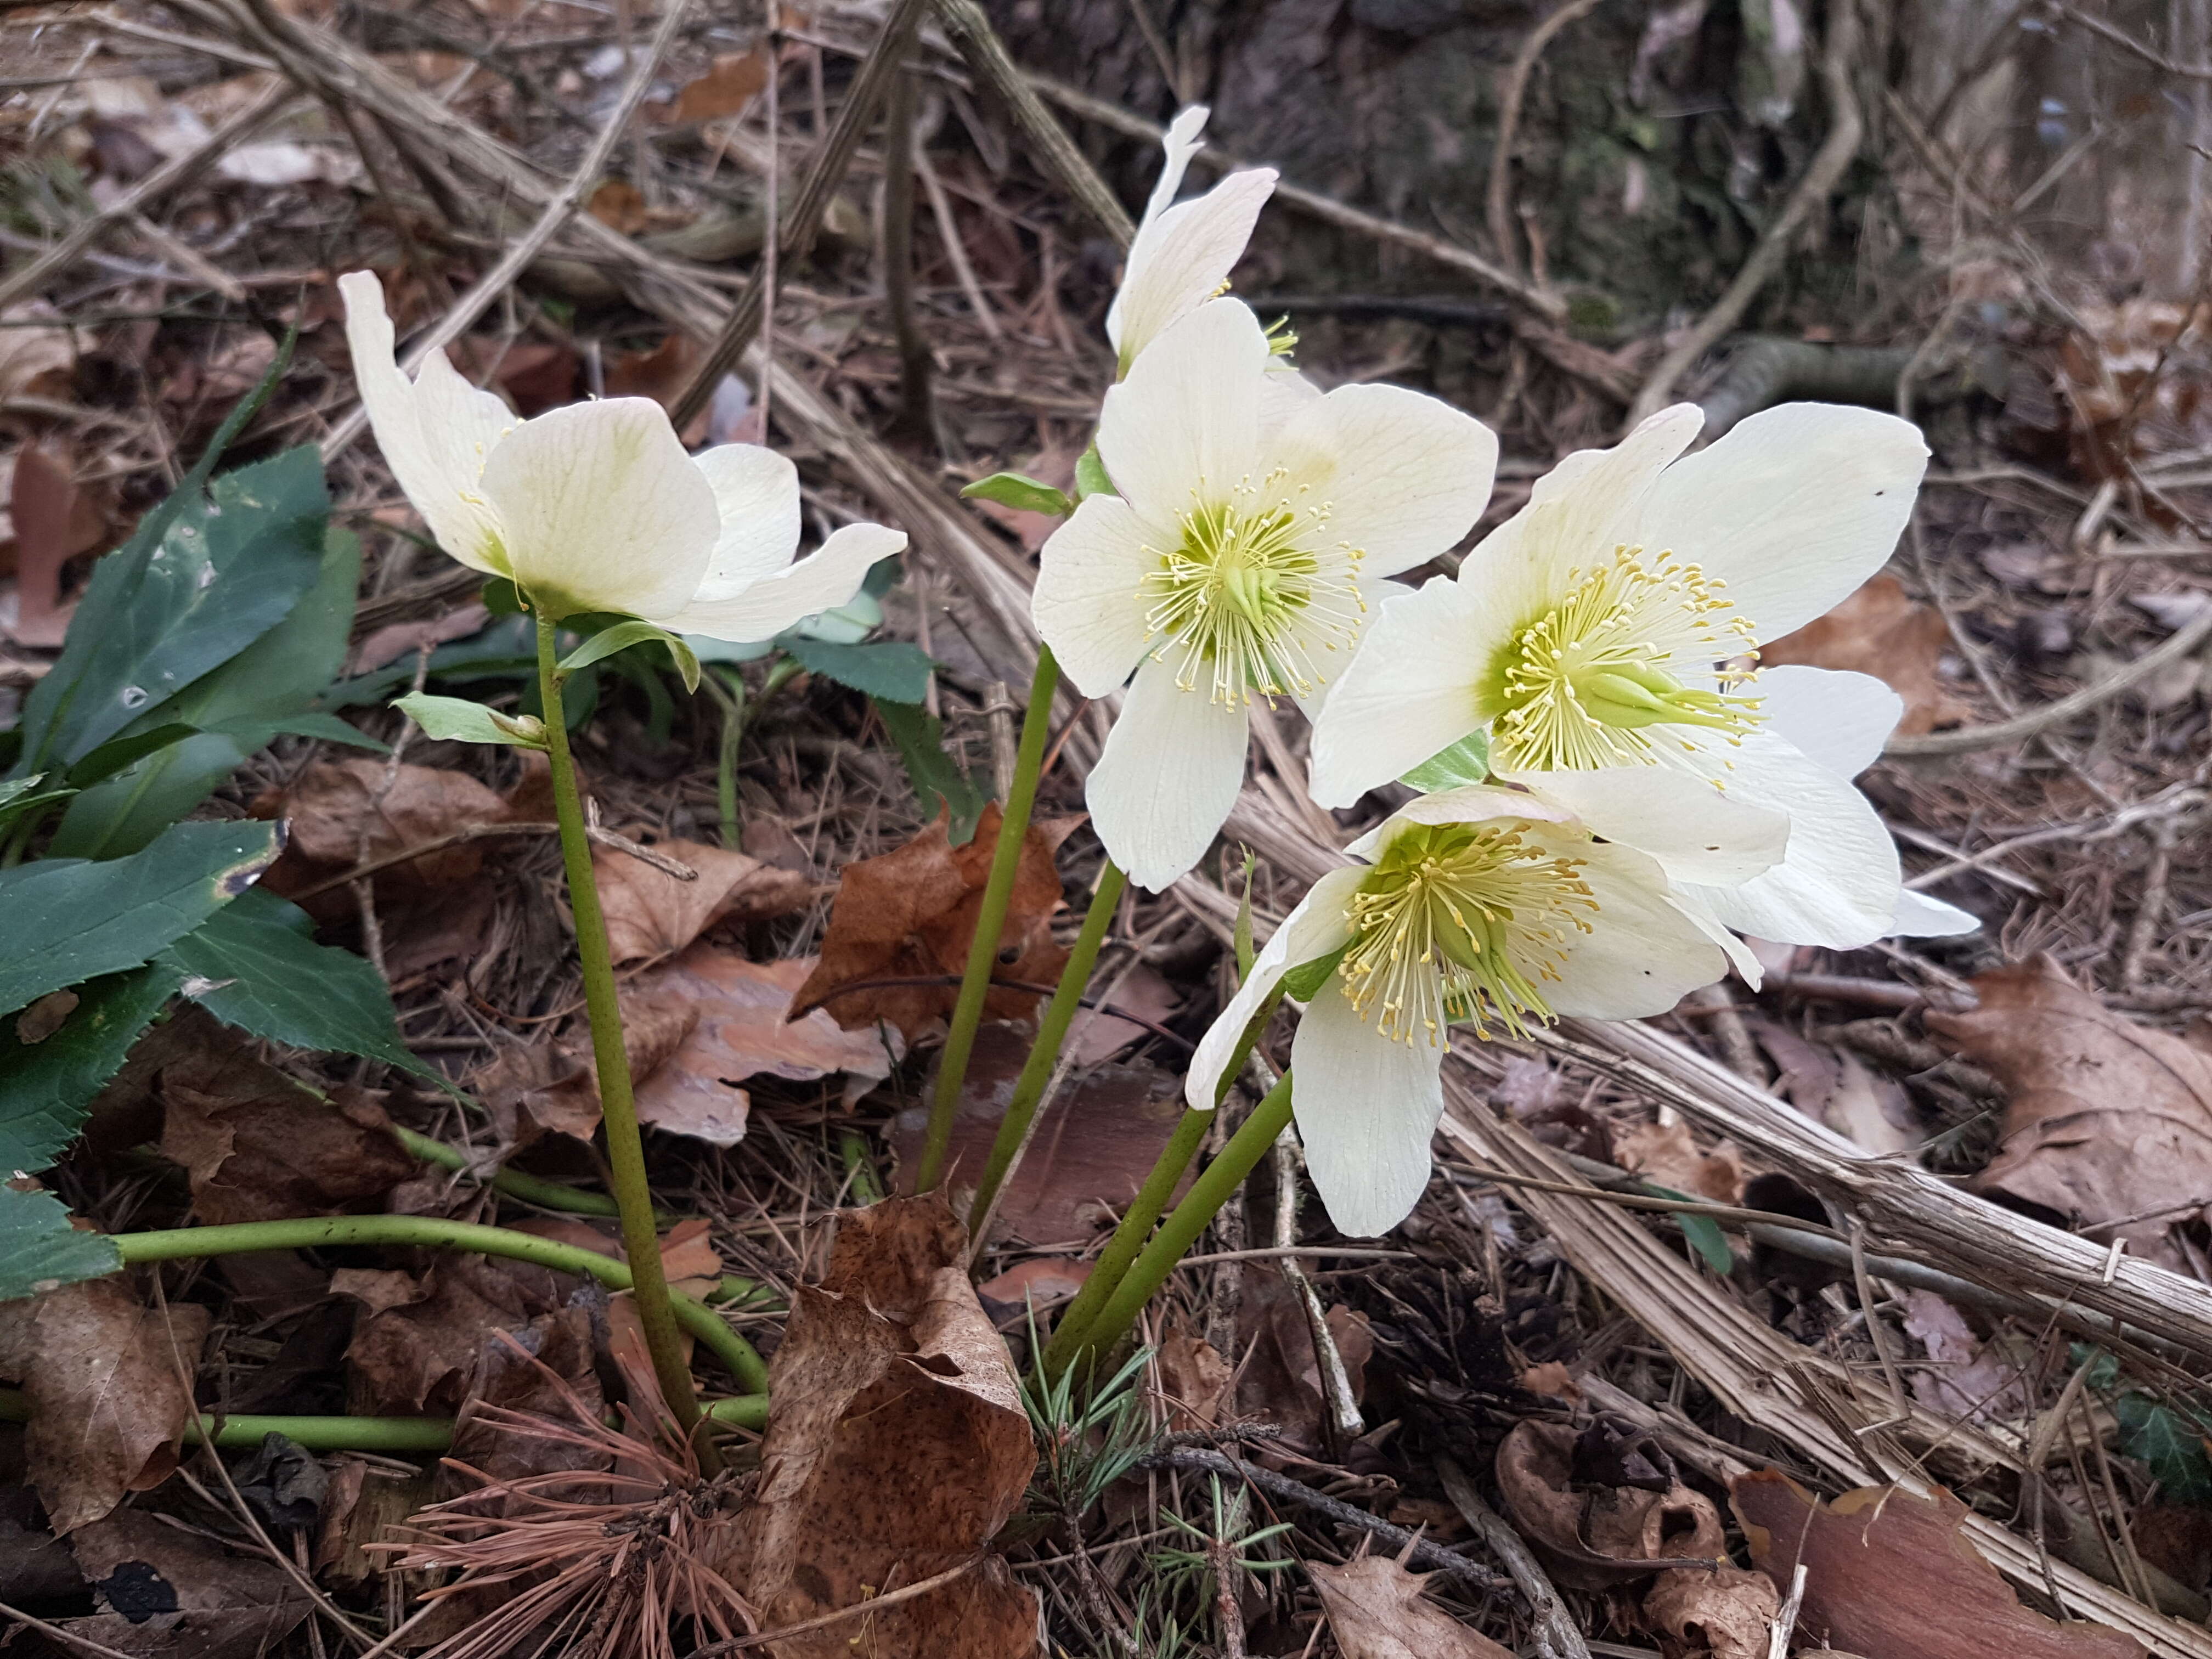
(421, 1340)
(1883, 631)
(1889, 1573)
(105, 1378)
(165, 1592)
(909, 914)
(897, 1447)
(56, 519)
(2107, 1121)
(1667, 1155)
(1379, 1610)
(651, 914)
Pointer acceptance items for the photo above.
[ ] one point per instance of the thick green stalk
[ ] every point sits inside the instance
(1052, 1034)
(1213, 1188)
(617, 1108)
(990, 918)
(435, 1233)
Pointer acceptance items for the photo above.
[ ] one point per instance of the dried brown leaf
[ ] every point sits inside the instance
(168, 1593)
(1376, 1610)
(1722, 1610)
(1889, 1572)
(38, 352)
(56, 519)
(897, 1447)
(342, 812)
(660, 374)
(728, 87)
(2104, 1119)
(422, 1352)
(1968, 1378)
(1601, 1535)
(651, 914)
(1194, 1380)
(1670, 1156)
(1279, 1381)
(1883, 631)
(106, 1379)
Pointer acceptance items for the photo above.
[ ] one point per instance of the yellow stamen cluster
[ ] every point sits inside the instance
(1253, 593)
(1584, 683)
(1461, 922)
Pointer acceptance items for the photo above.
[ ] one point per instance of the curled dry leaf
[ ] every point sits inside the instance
(1376, 1610)
(1604, 1534)
(105, 1380)
(910, 914)
(652, 914)
(342, 812)
(1722, 1610)
(422, 1340)
(38, 352)
(166, 1593)
(1889, 1572)
(1279, 1381)
(1883, 631)
(897, 1447)
(2104, 1119)
(1194, 1380)
(1669, 1154)
(728, 87)
(1040, 1284)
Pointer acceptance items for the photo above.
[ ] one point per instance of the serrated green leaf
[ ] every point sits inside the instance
(1464, 763)
(69, 919)
(1091, 477)
(1303, 982)
(2170, 1443)
(890, 670)
(1021, 492)
(456, 720)
(939, 784)
(255, 964)
(624, 634)
(39, 1251)
(45, 1086)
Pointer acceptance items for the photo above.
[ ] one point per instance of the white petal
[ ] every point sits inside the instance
(1695, 831)
(1642, 954)
(1919, 916)
(1181, 260)
(1838, 718)
(1283, 394)
(1086, 603)
(757, 494)
(1403, 476)
(822, 581)
(1473, 803)
(1408, 694)
(1171, 772)
(1838, 882)
(1186, 419)
(1313, 929)
(1184, 138)
(1794, 508)
(603, 510)
(1334, 661)
(436, 433)
(1365, 1108)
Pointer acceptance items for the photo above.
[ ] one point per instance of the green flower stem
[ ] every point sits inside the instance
(1212, 1189)
(432, 1436)
(1067, 1337)
(529, 1188)
(983, 950)
(435, 1233)
(618, 1110)
(1052, 1034)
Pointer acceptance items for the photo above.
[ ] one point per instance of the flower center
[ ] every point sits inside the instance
(1583, 684)
(1251, 594)
(1460, 922)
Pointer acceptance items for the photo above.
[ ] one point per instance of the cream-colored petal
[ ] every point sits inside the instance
(1183, 430)
(1642, 955)
(1366, 1108)
(1169, 772)
(1919, 916)
(1793, 509)
(436, 433)
(1402, 476)
(1284, 395)
(1695, 831)
(1182, 258)
(1313, 929)
(1334, 660)
(603, 510)
(756, 495)
(1086, 604)
(825, 579)
(1838, 718)
(1473, 803)
(1409, 692)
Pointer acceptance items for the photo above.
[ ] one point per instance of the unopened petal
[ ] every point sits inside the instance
(1313, 929)
(1086, 603)
(1171, 772)
(1366, 1108)
(1183, 430)
(825, 579)
(603, 510)
(757, 494)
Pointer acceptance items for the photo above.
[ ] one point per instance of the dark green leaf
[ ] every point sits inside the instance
(1091, 477)
(456, 720)
(231, 567)
(1702, 1232)
(116, 753)
(45, 1086)
(31, 794)
(39, 1251)
(2104, 1366)
(1466, 762)
(890, 670)
(255, 964)
(327, 727)
(1303, 982)
(1024, 494)
(624, 634)
(938, 785)
(70, 920)
(2170, 1444)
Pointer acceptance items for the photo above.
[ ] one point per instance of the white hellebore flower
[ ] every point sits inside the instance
(1184, 252)
(1238, 559)
(1603, 635)
(1477, 904)
(595, 505)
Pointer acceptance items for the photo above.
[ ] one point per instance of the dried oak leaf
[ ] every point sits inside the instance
(423, 1339)
(257, 1146)
(1889, 1572)
(1609, 1535)
(104, 1376)
(910, 914)
(1670, 1156)
(167, 1593)
(1724, 1611)
(340, 813)
(1376, 1610)
(2104, 1118)
(1883, 631)
(897, 1447)
(651, 914)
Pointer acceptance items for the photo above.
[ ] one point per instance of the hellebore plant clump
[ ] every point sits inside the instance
(1610, 790)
